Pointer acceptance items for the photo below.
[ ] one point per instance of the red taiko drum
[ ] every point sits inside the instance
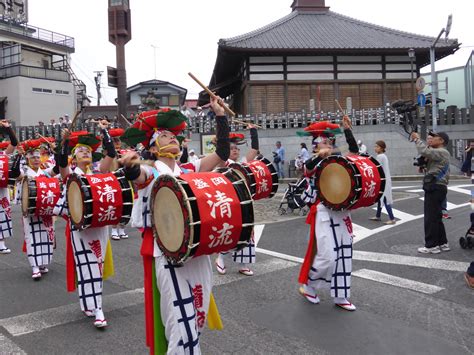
(39, 195)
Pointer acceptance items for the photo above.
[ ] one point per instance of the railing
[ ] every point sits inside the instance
(33, 72)
(38, 33)
(206, 124)
(203, 123)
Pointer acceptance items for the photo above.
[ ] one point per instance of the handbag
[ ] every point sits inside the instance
(429, 182)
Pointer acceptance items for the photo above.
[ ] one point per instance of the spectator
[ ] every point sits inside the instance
(304, 154)
(467, 165)
(435, 184)
(299, 163)
(192, 156)
(279, 159)
(89, 119)
(380, 148)
(67, 120)
(362, 147)
(62, 122)
(53, 122)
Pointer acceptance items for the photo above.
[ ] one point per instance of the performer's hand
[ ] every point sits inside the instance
(217, 106)
(184, 144)
(103, 124)
(414, 136)
(250, 125)
(325, 152)
(129, 159)
(5, 123)
(346, 122)
(20, 150)
(65, 134)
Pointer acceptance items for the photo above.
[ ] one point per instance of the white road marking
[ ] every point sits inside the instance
(403, 187)
(403, 216)
(257, 232)
(259, 268)
(416, 190)
(397, 281)
(428, 263)
(451, 206)
(459, 188)
(48, 318)
(40, 320)
(9, 347)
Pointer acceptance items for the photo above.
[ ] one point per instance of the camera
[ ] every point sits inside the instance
(419, 161)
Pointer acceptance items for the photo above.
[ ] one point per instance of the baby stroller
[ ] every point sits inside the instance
(292, 198)
(467, 242)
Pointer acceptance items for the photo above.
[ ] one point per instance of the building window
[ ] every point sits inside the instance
(42, 90)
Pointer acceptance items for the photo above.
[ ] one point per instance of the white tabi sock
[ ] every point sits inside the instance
(99, 314)
(2, 245)
(35, 269)
(114, 232)
(220, 259)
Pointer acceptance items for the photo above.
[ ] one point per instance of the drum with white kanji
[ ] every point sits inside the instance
(99, 200)
(39, 195)
(201, 214)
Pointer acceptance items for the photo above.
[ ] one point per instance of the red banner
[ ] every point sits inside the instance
(3, 171)
(107, 199)
(371, 180)
(263, 179)
(47, 194)
(219, 210)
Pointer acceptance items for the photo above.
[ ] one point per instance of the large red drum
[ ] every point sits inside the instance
(201, 214)
(39, 195)
(261, 177)
(99, 200)
(349, 182)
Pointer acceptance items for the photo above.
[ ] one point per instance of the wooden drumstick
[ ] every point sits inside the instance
(245, 123)
(44, 138)
(73, 122)
(212, 95)
(128, 122)
(342, 110)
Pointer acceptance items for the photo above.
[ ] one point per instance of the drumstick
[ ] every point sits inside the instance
(128, 122)
(73, 122)
(342, 110)
(212, 95)
(245, 123)
(44, 138)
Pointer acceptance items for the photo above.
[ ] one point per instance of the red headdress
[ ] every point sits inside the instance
(149, 122)
(237, 138)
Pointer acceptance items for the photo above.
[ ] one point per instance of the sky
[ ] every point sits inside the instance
(182, 34)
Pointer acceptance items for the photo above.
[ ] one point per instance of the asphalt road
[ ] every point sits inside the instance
(407, 303)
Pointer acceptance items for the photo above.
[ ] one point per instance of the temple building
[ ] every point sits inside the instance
(309, 58)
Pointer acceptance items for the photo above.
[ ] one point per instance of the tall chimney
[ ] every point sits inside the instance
(309, 5)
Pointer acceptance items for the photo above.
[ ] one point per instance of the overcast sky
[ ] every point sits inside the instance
(186, 32)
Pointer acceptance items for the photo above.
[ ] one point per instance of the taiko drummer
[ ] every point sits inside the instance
(185, 290)
(87, 258)
(247, 255)
(6, 149)
(328, 260)
(38, 228)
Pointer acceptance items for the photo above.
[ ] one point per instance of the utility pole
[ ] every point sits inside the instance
(97, 79)
(434, 77)
(120, 32)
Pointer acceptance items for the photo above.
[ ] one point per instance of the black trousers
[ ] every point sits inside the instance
(435, 234)
(470, 269)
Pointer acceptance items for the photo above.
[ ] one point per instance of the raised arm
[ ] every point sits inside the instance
(222, 152)
(253, 152)
(7, 129)
(346, 125)
(108, 160)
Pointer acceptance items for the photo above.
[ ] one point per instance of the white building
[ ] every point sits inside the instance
(36, 81)
(168, 94)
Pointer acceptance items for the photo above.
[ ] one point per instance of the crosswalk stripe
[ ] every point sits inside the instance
(9, 347)
(429, 263)
(451, 206)
(397, 281)
(403, 216)
(40, 320)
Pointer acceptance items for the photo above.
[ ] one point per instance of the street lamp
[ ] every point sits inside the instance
(434, 79)
(411, 54)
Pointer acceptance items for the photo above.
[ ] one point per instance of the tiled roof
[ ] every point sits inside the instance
(328, 30)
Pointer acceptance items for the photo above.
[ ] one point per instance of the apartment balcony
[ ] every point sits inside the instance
(37, 35)
(33, 72)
